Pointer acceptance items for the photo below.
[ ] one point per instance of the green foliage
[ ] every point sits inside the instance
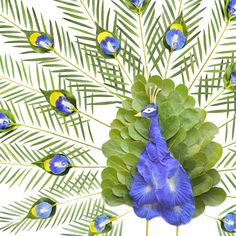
(188, 136)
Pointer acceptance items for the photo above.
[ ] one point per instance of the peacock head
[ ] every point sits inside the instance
(150, 110)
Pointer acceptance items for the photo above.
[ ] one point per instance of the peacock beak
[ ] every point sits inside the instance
(138, 115)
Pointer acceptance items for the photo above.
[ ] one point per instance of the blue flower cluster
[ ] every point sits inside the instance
(161, 187)
(229, 222)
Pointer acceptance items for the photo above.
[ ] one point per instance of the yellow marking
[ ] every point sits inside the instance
(33, 38)
(54, 96)
(177, 27)
(92, 228)
(47, 165)
(103, 36)
(34, 212)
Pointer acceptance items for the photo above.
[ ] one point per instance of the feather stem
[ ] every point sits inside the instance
(123, 69)
(11, 22)
(143, 45)
(89, 15)
(219, 93)
(210, 55)
(60, 135)
(86, 74)
(168, 65)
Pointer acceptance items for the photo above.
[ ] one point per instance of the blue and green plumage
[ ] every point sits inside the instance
(44, 208)
(175, 37)
(102, 224)
(61, 103)
(108, 43)
(4, 121)
(228, 223)
(161, 187)
(57, 165)
(41, 40)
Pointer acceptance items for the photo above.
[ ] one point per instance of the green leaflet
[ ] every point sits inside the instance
(188, 136)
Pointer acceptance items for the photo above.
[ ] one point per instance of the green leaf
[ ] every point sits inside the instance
(214, 197)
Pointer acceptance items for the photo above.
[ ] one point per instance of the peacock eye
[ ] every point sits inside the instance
(149, 110)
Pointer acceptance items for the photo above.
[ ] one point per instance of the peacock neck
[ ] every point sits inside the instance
(156, 136)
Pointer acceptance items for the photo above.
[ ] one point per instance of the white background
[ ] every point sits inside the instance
(203, 225)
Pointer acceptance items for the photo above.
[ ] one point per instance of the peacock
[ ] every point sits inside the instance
(161, 187)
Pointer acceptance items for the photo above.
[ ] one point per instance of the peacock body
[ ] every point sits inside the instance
(161, 186)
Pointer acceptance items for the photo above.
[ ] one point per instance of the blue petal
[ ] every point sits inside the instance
(232, 8)
(142, 160)
(171, 164)
(64, 105)
(230, 222)
(180, 214)
(148, 211)
(141, 192)
(137, 3)
(58, 164)
(110, 45)
(4, 121)
(44, 210)
(154, 173)
(233, 77)
(176, 190)
(175, 39)
(44, 41)
(101, 222)
(151, 150)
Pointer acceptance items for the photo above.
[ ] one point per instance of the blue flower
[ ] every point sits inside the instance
(232, 8)
(40, 40)
(148, 211)
(57, 165)
(175, 39)
(101, 222)
(44, 41)
(4, 121)
(176, 190)
(229, 222)
(233, 77)
(43, 210)
(137, 3)
(179, 214)
(108, 43)
(64, 105)
(142, 192)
